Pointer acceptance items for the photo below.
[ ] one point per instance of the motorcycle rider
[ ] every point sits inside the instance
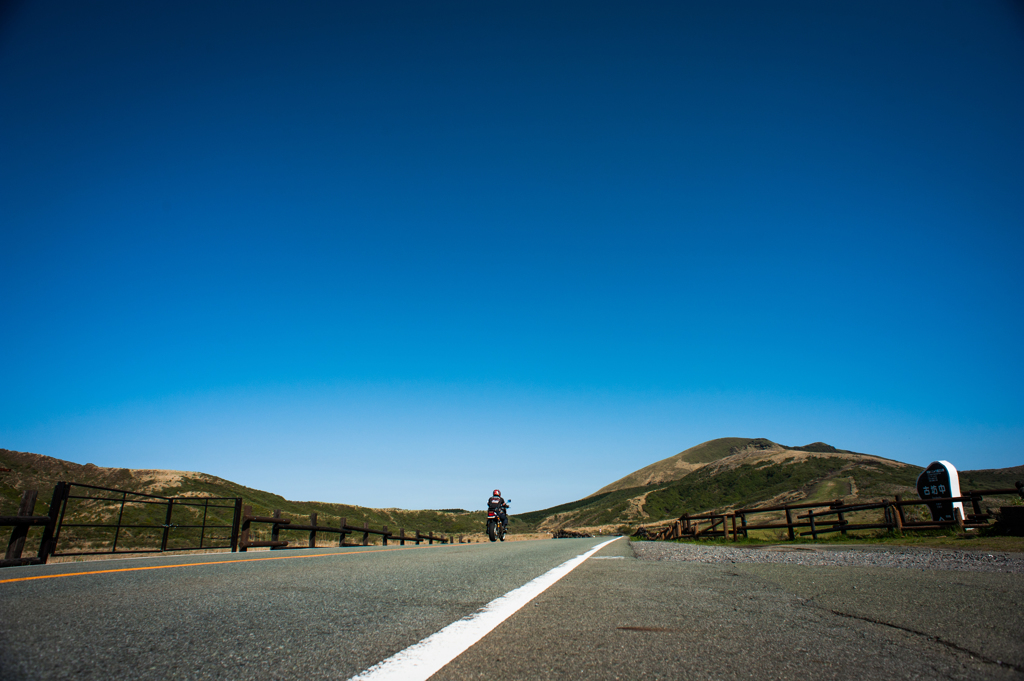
(498, 505)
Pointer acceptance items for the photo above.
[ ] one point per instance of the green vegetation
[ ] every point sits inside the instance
(601, 509)
(704, 489)
(830, 489)
(597, 500)
(877, 481)
(1000, 478)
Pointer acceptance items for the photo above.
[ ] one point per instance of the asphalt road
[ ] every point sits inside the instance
(616, 617)
(613, 617)
(307, 614)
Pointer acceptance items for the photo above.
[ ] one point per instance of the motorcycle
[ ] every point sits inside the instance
(495, 528)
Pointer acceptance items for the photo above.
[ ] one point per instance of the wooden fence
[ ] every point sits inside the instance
(823, 518)
(279, 523)
(55, 520)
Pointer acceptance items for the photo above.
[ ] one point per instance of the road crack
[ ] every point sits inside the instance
(930, 637)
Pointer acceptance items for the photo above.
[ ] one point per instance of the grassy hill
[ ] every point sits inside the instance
(730, 473)
(992, 478)
(725, 451)
(35, 471)
(678, 466)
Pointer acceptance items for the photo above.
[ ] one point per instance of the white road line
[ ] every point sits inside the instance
(422, 660)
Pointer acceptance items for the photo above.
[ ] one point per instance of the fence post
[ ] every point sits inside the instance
(275, 529)
(789, 523)
(841, 517)
(234, 524)
(202, 532)
(366, 534)
(246, 523)
(401, 536)
(417, 537)
(743, 523)
(975, 503)
(18, 535)
(48, 544)
(814, 530)
(897, 519)
(959, 516)
(312, 533)
(735, 537)
(900, 519)
(341, 535)
(167, 525)
(120, 515)
(384, 536)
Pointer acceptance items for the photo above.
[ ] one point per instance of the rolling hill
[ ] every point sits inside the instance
(39, 472)
(728, 473)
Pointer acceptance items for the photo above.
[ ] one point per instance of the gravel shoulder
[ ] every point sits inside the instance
(887, 557)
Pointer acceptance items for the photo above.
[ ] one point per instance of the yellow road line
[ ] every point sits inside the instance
(212, 562)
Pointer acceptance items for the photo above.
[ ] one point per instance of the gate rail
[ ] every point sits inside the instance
(64, 492)
(139, 498)
(25, 519)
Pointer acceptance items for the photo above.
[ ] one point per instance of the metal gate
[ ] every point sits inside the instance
(101, 520)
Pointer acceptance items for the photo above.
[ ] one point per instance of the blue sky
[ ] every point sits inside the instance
(399, 254)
